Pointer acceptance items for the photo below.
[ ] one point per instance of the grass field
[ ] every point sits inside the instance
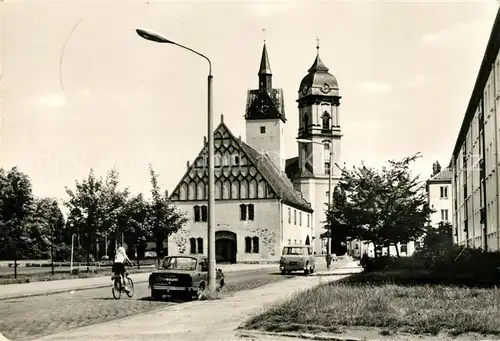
(421, 309)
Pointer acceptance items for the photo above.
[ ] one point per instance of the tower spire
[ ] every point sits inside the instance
(265, 74)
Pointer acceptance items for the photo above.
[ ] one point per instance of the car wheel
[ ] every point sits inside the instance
(155, 295)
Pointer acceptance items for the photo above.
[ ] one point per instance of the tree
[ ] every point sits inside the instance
(137, 228)
(164, 219)
(16, 208)
(114, 207)
(383, 207)
(87, 210)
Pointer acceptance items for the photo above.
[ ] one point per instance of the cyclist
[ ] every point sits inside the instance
(119, 265)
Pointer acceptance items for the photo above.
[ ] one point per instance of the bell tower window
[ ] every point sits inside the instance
(262, 130)
(326, 121)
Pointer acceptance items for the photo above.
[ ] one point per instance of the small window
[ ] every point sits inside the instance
(255, 245)
(404, 248)
(236, 160)
(326, 144)
(444, 215)
(308, 221)
(289, 215)
(444, 192)
(300, 218)
(295, 217)
(200, 245)
(192, 244)
(326, 121)
(204, 213)
(289, 242)
(197, 213)
(248, 244)
(250, 212)
(262, 130)
(243, 212)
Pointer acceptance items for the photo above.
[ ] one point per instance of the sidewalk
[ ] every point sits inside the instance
(10, 291)
(200, 320)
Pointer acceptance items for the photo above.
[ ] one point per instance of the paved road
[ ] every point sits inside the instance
(32, 317)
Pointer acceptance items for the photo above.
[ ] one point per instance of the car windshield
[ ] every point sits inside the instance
(294, 251)
(179, 263)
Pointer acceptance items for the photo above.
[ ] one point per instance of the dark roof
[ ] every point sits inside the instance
(319, 81)
(265, 105)
(277, 179)
(477, 93)
(293, 171)
(443, 176)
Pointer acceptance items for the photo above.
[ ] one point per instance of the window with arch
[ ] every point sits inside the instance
(295, 217)
(289, 215)
(325, 121)
(192, 245)
(197, 213)
(308, 221)
(300, 218)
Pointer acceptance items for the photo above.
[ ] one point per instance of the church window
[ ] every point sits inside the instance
(289, 215)
(295, 217)
(327, 168)
(204, 213)
(326, 121)
(248, 244)
(243, 212)
(255, 245)
(262, 130)
(192, 245)
(197, 213)
(300, 218)
(200, 245)
(250, 212)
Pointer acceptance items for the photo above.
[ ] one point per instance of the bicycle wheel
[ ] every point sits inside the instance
(130, 283)
(117, 289)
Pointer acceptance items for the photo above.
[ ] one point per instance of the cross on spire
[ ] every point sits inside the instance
(317, 44)
(264, 35)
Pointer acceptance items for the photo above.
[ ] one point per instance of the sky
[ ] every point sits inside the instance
(81, 90)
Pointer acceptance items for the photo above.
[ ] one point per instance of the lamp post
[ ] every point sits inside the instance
(155, 37)
(72, 246)
(330, 174)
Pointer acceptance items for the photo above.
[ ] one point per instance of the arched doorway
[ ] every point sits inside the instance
(225, 247)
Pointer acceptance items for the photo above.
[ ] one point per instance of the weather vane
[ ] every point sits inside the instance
(264, 34)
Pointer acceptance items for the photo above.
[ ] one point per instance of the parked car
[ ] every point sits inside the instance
(297, 258)
(182, 275)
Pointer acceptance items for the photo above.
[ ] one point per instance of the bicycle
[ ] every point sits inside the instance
(118, 287)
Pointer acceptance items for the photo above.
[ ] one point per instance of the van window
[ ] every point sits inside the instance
(294, 251)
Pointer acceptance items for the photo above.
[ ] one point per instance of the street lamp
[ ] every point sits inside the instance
(330, 174)
(72, 246)
(152, 36)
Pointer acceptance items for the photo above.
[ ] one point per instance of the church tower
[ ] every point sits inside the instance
(265, 116)
(318, 103)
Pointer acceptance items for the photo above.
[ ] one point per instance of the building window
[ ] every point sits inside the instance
(300, 241)
(289, 242)
(236, 160)
(200, 245)
(404, 248)
(300, 218)
(197, 213)
(326, 144)
(295, 217)
(444, 192)
(289, 215)
(204, 213)
(250, 212)
(308, 222)
(444, 215)
(252, 244)
(262, 130)
(192, 244)
(295, 241)
(243, 212)
(255, 244)
(327, 168)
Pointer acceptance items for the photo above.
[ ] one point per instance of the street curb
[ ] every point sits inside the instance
(307, 336)
(88, 287)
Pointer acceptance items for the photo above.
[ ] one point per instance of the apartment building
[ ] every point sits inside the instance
(475, 162)
(439, 197)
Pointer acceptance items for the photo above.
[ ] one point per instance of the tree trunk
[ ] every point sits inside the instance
(159, 249)
(15, 263)
(52, 253)
(88, 260)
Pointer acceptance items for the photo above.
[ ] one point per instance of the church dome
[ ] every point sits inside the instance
(318, 81)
